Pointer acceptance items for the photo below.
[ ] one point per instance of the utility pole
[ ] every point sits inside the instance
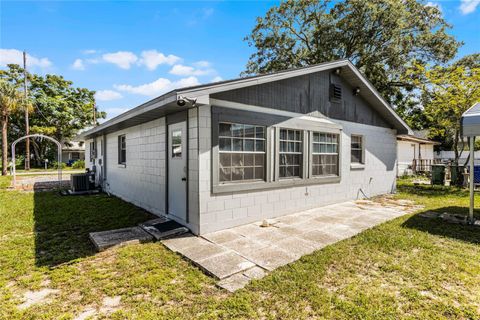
(27, 125)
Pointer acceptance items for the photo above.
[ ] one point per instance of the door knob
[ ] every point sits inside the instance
(184, 179)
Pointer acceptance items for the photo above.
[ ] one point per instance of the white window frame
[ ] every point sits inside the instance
(254, 152)
(337, 153)
(303, 136)
(361, 164)
(273, 124)
(122, 148)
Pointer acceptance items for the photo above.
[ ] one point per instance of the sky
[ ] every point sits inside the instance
(132, 51)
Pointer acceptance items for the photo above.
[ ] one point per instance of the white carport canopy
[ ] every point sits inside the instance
(471, 129)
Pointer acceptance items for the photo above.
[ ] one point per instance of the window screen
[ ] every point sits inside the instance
(241, 152)
(291, 153)
(357, 149)
(122, 150)
(324, 154)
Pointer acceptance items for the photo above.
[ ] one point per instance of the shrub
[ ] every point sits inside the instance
(79, 164)
(56, 164)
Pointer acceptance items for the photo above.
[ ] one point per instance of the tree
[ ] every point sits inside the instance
(61, 110)
(449, 93)
(383, 38)
(10, 100)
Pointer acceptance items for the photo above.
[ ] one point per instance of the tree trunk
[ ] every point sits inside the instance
(459, 176)
(4, 121)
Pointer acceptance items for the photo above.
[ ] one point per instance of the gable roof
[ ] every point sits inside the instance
(471, 121)
(167, 103)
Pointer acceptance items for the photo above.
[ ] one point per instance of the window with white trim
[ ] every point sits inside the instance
(122, 150)
(241, 152)
(357, 149)
(324, 154)
(290, 153)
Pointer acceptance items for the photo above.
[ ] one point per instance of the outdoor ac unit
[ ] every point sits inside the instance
(80, 182)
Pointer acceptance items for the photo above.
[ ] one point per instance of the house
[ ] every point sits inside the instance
(414, 154)
(73, 151)
(229, 153)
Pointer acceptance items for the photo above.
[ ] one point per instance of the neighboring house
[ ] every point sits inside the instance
(73, 151)
(414, 154)
(225, 154)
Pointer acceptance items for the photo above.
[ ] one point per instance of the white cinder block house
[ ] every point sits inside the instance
(228, 153)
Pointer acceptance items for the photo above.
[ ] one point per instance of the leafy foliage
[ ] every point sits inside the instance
(449, 93)
(10, 102)
(60, 109)
(384, 39)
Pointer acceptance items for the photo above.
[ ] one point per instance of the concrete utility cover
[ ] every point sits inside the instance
(238, 255)
(106, 239)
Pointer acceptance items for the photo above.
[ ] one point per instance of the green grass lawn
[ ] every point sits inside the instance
(410, 267)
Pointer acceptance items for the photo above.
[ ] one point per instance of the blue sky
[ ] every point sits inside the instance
(130, 52)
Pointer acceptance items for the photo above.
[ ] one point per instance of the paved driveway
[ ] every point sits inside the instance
(237, 255)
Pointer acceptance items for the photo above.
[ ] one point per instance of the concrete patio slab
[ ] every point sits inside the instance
(225, 264)
(238, 255)
(106, 239)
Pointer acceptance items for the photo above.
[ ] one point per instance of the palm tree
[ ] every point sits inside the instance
(10, 100)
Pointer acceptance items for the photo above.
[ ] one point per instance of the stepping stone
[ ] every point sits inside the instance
(162, 228)
(107, 239)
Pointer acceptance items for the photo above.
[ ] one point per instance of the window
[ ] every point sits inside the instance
(93, 151)
(122, 150)
(241, 152)
(290, 153)
(177, 144)
(357, 149)
(324, 154)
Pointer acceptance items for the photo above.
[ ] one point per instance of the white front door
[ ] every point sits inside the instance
(177, 170)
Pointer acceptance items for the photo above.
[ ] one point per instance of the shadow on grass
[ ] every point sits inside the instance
(62, 224)
(443, 228)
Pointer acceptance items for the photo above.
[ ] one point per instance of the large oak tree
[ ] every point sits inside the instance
(383, 38)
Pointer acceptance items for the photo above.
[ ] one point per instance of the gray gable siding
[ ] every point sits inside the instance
(306, 94)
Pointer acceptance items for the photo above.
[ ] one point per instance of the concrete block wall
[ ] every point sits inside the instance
(220, 211)
(193, 171)
(142, 180)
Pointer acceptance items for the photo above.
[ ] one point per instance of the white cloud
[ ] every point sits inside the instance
(14, 56)
(90, 51)
(468, 6)
(217, 79)
(107, 95)
(152, 58)
(434, 5)
(123, 59)
(112, 112)
(202, 64)
(157, 87)
(181, 70)
(78, 64)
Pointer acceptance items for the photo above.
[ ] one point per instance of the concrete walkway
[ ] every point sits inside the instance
(237, 255)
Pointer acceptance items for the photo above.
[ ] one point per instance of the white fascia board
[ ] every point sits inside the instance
(379, 97)
(242, 83)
